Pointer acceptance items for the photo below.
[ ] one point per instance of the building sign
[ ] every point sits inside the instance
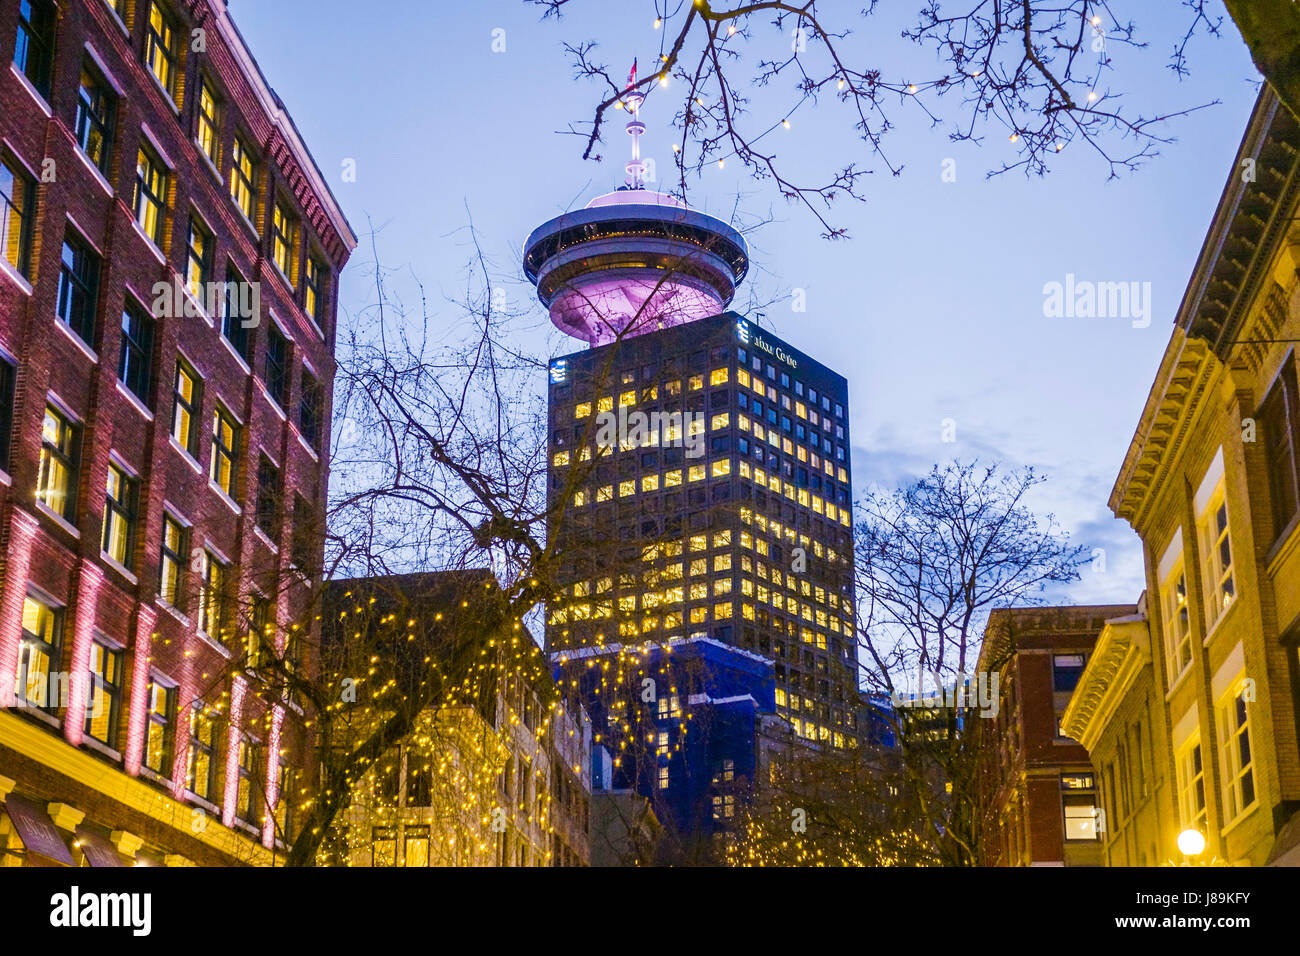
(98, 851)
(37, 830)
(754, 339)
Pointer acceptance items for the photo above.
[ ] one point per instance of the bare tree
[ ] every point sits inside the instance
(1033, 71)
(933, 558)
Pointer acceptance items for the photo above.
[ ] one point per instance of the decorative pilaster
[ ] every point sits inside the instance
(17, 568)
(90, 577)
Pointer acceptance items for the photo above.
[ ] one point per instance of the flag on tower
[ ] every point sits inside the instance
(631, 77)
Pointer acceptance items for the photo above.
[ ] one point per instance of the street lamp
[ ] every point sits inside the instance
(1191, 842)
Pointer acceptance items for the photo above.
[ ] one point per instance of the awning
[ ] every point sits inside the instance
(37, 830)
(98, 851)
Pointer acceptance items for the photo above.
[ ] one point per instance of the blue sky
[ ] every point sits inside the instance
(933, 309)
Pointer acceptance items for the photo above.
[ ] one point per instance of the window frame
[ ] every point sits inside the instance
(223, 452)
(207, 125)
(178, 558)
(101, 685)
(135, 359)
(18, 176)
(1234, 724)
(121, 512)
(152, 180)
(96, 113)
(191, 408)
(51, 650)
(199, 746)
(79, 287)
(67, 459)
(276, 371)
(157, 49)
(166, 720)
(244, 183)
(38, 71)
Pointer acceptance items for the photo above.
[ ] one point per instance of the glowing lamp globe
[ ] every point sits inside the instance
(1191, 843)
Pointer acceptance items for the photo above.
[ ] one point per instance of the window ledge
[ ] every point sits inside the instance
(8, 268)
(212, 809)
(212, 167)
(235, 354)
(155, 777)
(198, 306)
(31, 710)
(247, 222)
(148, 241)
(135, 401)
(1219, 621)
(41, 102)
(275, 406)
(95, 171)
(77, 340)
(174, 611)
(265, 538)
(215, 644)
(166, 94)
(101, 748)
(185, 454)
(58, 519)
(1240, 818)
(1285, 543)
(118, 567)
(302, 441)
(1178, 681)
(221, 493)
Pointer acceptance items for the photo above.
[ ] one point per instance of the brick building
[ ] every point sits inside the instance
(1211, 484)
(168, 262)
(1118, 715)
(1036, 792)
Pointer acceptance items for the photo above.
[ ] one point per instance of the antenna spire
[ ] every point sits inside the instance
(632, 99)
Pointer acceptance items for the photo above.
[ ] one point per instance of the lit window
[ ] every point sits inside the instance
(17, 202)
(672, 479)
(605, 493)
(695, 473)
(721, 467)
(626, 488)
(1220, 582)
(150, 195)
(198, 261)
(120, 516)
(718, 421)
(56, 485)
(627, 398)
(208, 132)
(696, 383)
(1191, 786)
(224, 470)
(243, 178)
(161, 51)
(185, 408)
(105, 693)
(313, 296)
(38, 656)
(284, 242)
(582, 410)
(212, 596)
(159, 728)
(1178, 626)
(1235, 750)
(650, 483)
(173, 560)
(718, 376)
(560, 459)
